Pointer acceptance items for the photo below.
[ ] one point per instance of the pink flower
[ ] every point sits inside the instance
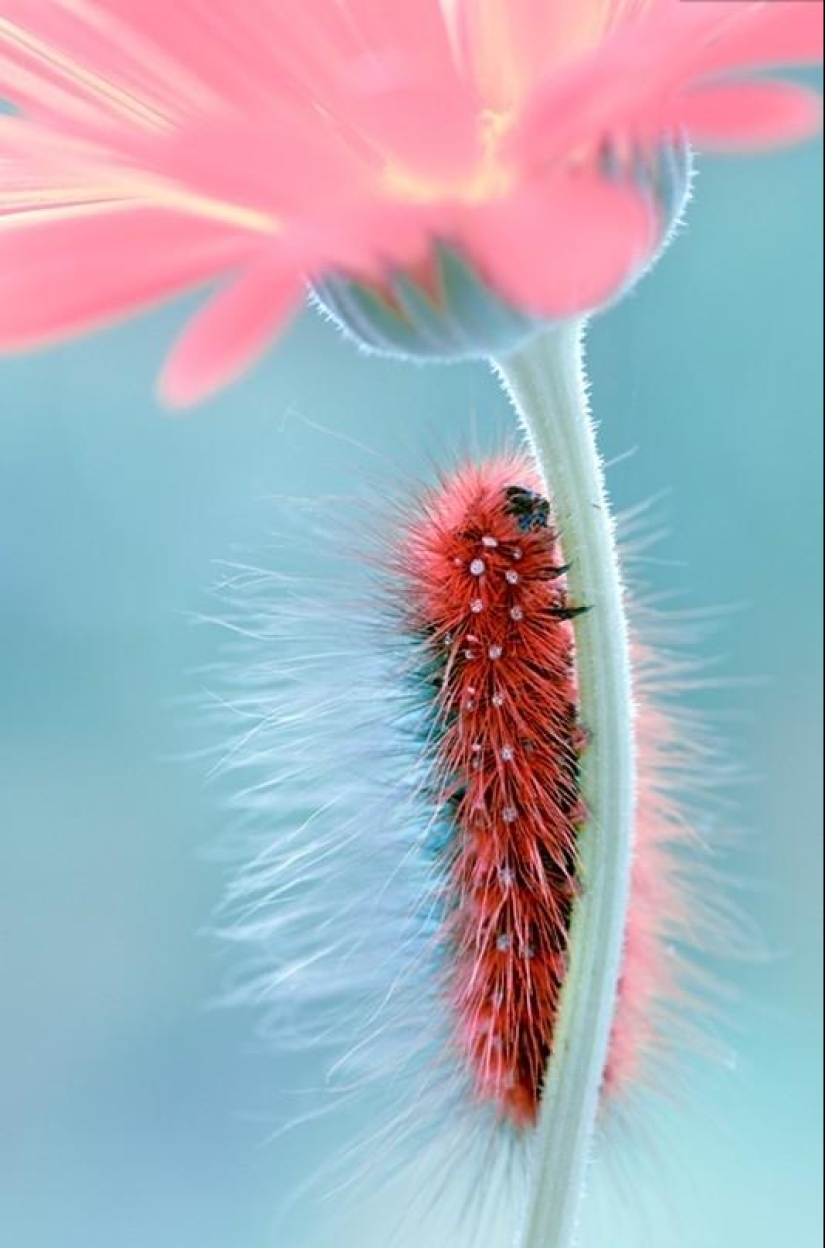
(266, 143)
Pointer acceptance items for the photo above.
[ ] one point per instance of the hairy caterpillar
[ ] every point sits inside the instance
(414, 742)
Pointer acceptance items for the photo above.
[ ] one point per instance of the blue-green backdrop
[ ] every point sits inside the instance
(132, 1115)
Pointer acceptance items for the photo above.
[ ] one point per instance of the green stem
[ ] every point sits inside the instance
(547, 386)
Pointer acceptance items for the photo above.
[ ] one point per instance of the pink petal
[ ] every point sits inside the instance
(425, 130)
(773, 32)
(61, 274)
(230, 333)
(129, 57)
(390, 81)
(380, 239)
(278, 163)
(749, 114)
(327, 53)
(418, 30)
(510, 45)
(564, 247)
(628, 84)
(101, 62)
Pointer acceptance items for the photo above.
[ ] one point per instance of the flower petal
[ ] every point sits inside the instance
(423, 131)
(631, 82)
(96, 62)
(765, 32)
(750, 114)
(509, 45)
(564, 247)
(230, 333)
(65, 269)
(420, 29)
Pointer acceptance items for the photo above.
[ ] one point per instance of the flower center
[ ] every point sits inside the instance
(490, 177)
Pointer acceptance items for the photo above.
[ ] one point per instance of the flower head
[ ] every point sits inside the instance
(263, 145)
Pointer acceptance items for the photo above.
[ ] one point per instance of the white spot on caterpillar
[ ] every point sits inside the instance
(516, 613)
(478, 567)
(511, 577)
(495, 652)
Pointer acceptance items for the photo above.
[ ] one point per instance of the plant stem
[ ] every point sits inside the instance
(547, 386)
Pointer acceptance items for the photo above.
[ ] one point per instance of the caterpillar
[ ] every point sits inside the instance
(411, 816)
(484, 581)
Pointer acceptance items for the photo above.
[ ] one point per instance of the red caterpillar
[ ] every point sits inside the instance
(486, 587)
(484, 581)
(410, 819)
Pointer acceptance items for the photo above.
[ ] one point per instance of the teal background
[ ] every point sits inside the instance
(133, 1116)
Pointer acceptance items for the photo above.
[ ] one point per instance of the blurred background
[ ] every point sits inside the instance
(131, 1114)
